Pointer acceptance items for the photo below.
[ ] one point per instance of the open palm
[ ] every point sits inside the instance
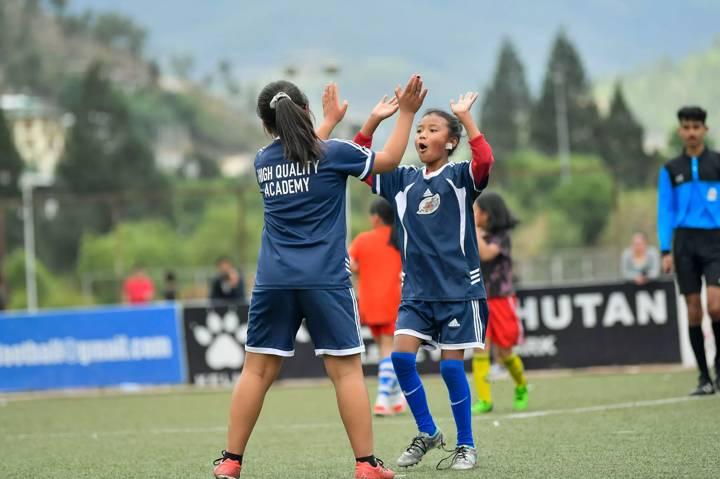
(411, 98)
(332, 109)
(385, 108)
(464, 103)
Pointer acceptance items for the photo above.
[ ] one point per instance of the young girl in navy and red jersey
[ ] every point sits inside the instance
(494, 221)
(443, 298)
(303, 267)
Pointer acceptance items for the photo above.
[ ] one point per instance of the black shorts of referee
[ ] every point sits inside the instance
(696, 253)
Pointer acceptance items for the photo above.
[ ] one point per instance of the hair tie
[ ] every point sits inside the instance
(277, 97)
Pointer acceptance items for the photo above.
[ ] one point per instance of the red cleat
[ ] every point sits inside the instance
(226, 468)
(364, 470)
(400, 405)
(382, 410)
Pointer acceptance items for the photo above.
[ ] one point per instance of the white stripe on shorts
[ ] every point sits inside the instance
(357, 318)
(274, 352)
(340, 352)
(476, 316)
(452, 347)
(479, 322)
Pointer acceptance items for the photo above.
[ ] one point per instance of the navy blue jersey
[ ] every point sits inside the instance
(436, 230)
(303, 238)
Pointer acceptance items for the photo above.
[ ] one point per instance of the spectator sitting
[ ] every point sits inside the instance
(640, 263)
(228, 286)
(138, 287)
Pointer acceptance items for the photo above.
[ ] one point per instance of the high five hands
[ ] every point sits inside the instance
(463, 104)
(411, 98)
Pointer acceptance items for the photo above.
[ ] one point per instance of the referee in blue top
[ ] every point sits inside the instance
(689, 221)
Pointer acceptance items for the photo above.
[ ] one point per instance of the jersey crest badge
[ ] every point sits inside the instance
(679, 178)
(429, 204)
(712, 194)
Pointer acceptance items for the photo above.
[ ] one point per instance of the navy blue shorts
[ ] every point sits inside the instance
(331, 316)
(444, 324)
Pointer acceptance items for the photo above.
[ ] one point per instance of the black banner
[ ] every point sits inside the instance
(215, 338)
(599, 325)
(570, 327)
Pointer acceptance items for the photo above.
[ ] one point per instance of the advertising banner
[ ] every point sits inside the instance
(90, 348)
(569, 327)
(599, 325)
(215, 343)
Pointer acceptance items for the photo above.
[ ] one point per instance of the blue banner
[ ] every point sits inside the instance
(90, 348)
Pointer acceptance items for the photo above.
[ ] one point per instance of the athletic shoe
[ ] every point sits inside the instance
(419, 446)
(364, 470)
(382, 406)
(481, 407)
(705, 387)
(520, 403)
(226, 468)
(462, 458)
(399, 405)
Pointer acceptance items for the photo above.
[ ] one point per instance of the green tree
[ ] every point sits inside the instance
(119, 31)
(586, 201)
(105, 153)
(3, 31)
(11, 164)
(505, 108)
(622, 145)
(59, 7)
(565, 76)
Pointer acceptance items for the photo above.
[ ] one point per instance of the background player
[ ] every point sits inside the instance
(303, 265)
(689, 221)
(494, 221)
(443, 298)
(374, 257)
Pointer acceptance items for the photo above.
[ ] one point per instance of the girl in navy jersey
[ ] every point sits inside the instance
(443, 299)
(303, 267)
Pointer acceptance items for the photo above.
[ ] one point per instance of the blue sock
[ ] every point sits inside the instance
(414, 391)
(453, 372)
(386, 378)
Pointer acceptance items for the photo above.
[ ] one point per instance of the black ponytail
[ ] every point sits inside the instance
(500, 218)
(289, 118)
(384, 210)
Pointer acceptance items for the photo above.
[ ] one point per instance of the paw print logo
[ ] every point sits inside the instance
(223, 336)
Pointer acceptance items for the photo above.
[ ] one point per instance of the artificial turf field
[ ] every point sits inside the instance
(579, 425)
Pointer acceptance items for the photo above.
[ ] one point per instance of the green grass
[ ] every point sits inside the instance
(299, 435)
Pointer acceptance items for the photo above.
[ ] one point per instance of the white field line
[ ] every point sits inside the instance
(377, 422)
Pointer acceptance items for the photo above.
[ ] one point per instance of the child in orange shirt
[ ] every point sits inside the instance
(374, 257)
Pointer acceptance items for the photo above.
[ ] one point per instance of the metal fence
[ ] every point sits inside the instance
(569, 265)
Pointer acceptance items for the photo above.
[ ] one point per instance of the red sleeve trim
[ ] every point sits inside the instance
(363, 140)
(369, 180)
(482, 160)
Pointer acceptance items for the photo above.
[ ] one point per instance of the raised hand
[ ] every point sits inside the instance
(464, 103)
(385, 108)
(411, 98)
(332, 110)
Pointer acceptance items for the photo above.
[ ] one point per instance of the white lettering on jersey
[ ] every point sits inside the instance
(283, 179)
